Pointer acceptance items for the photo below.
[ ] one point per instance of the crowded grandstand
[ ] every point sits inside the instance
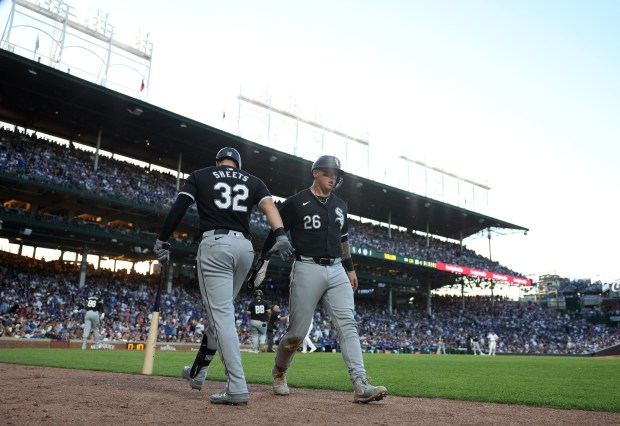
(59, 195)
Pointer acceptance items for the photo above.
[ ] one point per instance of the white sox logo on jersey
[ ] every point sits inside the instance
(340, 218)
(615, 287)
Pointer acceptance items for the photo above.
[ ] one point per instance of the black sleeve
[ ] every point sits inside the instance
(175, 215)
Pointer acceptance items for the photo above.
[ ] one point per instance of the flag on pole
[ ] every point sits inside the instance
(36, 45)
(142, 86)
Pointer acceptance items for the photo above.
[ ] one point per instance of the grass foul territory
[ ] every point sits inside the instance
(583, 383)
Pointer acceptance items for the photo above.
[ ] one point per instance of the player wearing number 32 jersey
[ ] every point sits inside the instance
(224, 195)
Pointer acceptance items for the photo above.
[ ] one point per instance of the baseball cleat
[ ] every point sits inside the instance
(279, 381)
(367, 393)
(199, 380)
(225, 398)
(312, 350)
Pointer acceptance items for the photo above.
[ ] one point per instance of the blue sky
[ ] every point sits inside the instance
(520, 95)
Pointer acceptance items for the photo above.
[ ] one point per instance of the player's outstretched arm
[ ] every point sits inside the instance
(276, 242)
(268, 207)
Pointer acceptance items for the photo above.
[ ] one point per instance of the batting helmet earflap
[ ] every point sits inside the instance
(231, 153)
(258, 293)
(329, 162)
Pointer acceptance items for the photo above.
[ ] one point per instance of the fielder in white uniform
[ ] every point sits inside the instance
(492, 338)
(307, 343)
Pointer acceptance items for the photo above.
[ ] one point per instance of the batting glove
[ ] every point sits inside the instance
(282, 248)
(161, 250)
(102, 316)
(258, 274)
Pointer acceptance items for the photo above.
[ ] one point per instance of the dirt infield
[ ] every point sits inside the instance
(42, 395)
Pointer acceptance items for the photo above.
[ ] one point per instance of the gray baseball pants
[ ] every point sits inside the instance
(259, 333)
(311, 283)
(91, 321)
(223, 264)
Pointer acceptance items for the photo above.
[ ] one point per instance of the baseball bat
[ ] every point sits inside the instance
(149, 350)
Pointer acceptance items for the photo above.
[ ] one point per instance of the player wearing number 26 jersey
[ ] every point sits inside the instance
(224, 195)
(324, 272)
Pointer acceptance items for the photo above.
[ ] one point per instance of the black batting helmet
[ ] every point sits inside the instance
(258, 293)
(329, 162)
(231, 153)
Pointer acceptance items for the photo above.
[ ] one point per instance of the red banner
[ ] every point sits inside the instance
(464, 270)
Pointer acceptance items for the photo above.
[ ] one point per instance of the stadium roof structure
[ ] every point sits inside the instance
(47, 100)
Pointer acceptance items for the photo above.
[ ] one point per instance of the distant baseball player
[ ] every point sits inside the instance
(492, 338)
(307, 345)
(259, 312)
(323, 271)
(441, 346)
(92, 318)
(224, 195)
(475, 344)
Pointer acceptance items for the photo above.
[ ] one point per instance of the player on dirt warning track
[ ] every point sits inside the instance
(323, 271)
(224, 195)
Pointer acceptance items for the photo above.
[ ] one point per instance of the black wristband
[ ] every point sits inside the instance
(279, 232)
(348, 264)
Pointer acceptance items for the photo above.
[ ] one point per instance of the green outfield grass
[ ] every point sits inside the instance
(563, 382)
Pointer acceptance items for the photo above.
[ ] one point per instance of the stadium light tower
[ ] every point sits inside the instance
(49, 32)
(449, 188)
(308, 138)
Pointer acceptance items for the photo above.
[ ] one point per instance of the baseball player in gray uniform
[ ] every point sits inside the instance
(323, 271)
(92, 318)
(224, 195)
(260, 313)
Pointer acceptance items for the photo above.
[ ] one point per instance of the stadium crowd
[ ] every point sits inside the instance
(32, 158)
(38, 298)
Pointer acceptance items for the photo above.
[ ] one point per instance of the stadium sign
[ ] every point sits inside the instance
(456, 269)
(471, 272)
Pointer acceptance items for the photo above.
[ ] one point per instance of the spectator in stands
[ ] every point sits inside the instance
(33, 289)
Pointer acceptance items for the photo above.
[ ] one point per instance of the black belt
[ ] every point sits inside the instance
(228, 232)
(323, 261)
